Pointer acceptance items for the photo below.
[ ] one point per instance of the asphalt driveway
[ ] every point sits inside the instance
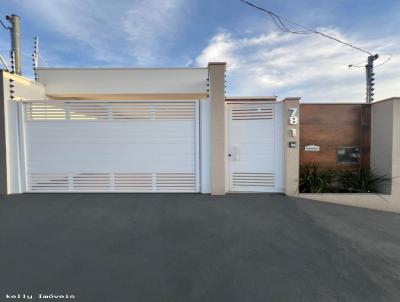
(192, 247)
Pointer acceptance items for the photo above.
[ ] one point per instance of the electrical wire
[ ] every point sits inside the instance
(306, 30)
(362, 66)
(278, 20)
(44, 61)
(5, 27)
(357, 66)
(383, 62)
(4, 63)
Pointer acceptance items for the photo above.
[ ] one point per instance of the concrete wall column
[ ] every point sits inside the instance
(291, 142)
(3, 153)
(382, 140)
(216, 74)
(385, 143)
(22, 89)
(396, 150)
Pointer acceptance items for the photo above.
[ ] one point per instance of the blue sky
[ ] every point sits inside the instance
(261, 59)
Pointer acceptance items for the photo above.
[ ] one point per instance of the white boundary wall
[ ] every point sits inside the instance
(123, 81)
(23, 90)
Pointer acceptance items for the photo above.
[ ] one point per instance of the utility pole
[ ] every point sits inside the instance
(15, 43)
(282, 25)
(369, 69)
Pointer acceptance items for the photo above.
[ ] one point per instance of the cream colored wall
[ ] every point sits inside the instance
(24, 89)
(382, 140)
(3, 153)
(218, 148)
(291, 155)
(396, 151)
(125, 83)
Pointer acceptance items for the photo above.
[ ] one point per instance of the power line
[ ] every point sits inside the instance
(278, 20)
(44, 61)
(355, 65)
(4, 63)
(306, 30)
(5, 27)
(383, 62)
(363, 66)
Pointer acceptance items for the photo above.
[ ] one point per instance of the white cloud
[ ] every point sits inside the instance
(112, 32)
(149, 25)
(309, 66)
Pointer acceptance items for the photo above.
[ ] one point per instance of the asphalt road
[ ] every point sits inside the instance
(192, 247)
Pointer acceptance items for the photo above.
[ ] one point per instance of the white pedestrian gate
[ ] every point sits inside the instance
(104, 146)
(254, 145)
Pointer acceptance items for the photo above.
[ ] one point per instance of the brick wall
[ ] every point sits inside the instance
(331, 126)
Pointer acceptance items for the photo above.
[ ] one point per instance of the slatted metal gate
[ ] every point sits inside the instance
(93, 146)
(254, 137)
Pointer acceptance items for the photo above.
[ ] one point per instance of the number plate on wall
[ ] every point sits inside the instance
(293, 119)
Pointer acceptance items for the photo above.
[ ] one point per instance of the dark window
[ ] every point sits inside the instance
(348, 155)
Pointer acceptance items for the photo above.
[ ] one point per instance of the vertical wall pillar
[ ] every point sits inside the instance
(216, 74)
(382, 120)
(291, 120)
(385, 144)
(396, 150)
(15, 88)
(3, 154)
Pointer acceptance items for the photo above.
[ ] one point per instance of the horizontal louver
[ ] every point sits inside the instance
(91, 111)
(96, 182)
(112, 182)
(48, 182)
(253, 113)
(131, 182)
(253, 179)
(176, 182)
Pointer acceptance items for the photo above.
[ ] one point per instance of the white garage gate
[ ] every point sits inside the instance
(111, 146)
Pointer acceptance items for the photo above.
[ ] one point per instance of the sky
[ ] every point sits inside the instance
(261, 59)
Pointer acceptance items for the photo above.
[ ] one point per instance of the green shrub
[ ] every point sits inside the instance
(360, 181)
(313, 180)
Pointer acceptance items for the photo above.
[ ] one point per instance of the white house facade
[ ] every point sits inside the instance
(161, 130)
(139, 130)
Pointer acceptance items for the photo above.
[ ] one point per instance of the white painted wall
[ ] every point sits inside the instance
(59, 81)
(24, 90)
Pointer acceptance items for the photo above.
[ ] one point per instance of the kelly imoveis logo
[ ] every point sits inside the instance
(39, 296)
